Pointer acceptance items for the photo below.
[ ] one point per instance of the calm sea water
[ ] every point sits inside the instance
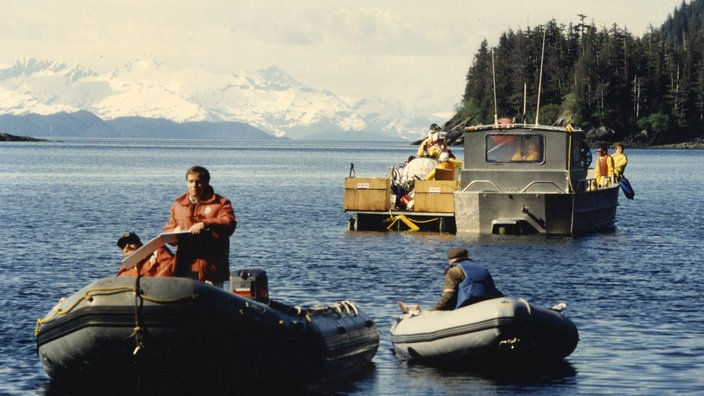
(635, 293)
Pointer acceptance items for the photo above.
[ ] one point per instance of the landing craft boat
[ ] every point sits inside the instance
(497, 331)
(172, 329)
(500, 188)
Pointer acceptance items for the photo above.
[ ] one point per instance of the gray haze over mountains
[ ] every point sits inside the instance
(148, 99)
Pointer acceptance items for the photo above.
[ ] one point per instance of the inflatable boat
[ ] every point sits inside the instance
(173, 329)
(497, 331)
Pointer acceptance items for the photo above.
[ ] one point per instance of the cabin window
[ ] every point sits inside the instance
(508, 148)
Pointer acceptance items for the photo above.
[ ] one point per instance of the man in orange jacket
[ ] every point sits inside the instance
(210, 219)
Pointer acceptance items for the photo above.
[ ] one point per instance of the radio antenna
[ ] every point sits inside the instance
(493, 75)
(540, 80)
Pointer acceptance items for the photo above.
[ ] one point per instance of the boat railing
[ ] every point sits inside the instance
(591, 183)
(536, 182)
(524, 190)
(475, 182)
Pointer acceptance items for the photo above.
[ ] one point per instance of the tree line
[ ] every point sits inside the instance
(641, 90)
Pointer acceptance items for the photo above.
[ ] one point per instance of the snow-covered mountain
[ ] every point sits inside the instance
(268, 99)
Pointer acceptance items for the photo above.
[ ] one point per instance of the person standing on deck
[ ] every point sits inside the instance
(434, 144)
(428, 147)
(604, 169)
(211, 221)
(620, 161)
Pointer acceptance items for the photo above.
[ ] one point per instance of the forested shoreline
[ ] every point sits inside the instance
(644, 91)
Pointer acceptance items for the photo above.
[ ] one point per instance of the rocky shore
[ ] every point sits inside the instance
(697, 144)
(6, 137)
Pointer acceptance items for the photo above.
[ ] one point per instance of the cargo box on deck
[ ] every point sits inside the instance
(435, 196)
(371, 194)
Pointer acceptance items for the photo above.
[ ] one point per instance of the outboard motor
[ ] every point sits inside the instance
(251, 283)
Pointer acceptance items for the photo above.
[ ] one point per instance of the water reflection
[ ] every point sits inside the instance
(227, 385)
(485, 378)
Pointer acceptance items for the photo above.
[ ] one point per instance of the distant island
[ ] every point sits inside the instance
(6, 137)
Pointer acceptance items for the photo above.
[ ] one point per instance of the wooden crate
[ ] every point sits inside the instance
(435, 196)
(371, 194)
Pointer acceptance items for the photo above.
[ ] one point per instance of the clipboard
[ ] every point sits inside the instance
(148, 248)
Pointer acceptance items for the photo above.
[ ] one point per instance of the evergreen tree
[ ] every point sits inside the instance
(646, 90)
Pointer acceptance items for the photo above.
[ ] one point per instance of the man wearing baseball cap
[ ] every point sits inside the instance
(161, 263)
(466, 282)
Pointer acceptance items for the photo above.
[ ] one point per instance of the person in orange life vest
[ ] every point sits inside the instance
(161, 263)
(604, 169)
(211, 221)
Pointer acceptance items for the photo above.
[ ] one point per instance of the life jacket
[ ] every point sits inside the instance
(603, 165)
(477, 285)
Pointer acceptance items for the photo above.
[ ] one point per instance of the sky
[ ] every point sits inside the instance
(413, 55)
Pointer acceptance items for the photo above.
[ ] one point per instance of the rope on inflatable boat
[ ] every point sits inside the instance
(340, 308)
(88, 296)
(347, 306)
(137, 333)
(299, 312)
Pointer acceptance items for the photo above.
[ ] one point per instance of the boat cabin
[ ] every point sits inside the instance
(524, 158)
(523, 178)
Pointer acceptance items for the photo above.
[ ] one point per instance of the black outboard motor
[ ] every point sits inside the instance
(251, 283)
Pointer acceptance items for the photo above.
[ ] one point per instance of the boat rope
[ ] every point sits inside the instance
(298, 311)
(425, 221)
(90, 293)
(349, 305)
(509, 344)
(138, 303)
(408, 222)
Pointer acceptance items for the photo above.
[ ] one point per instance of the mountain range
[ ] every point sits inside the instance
(149, 99)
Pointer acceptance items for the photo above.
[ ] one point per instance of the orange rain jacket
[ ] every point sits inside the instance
(207, 252)
(161, 263)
